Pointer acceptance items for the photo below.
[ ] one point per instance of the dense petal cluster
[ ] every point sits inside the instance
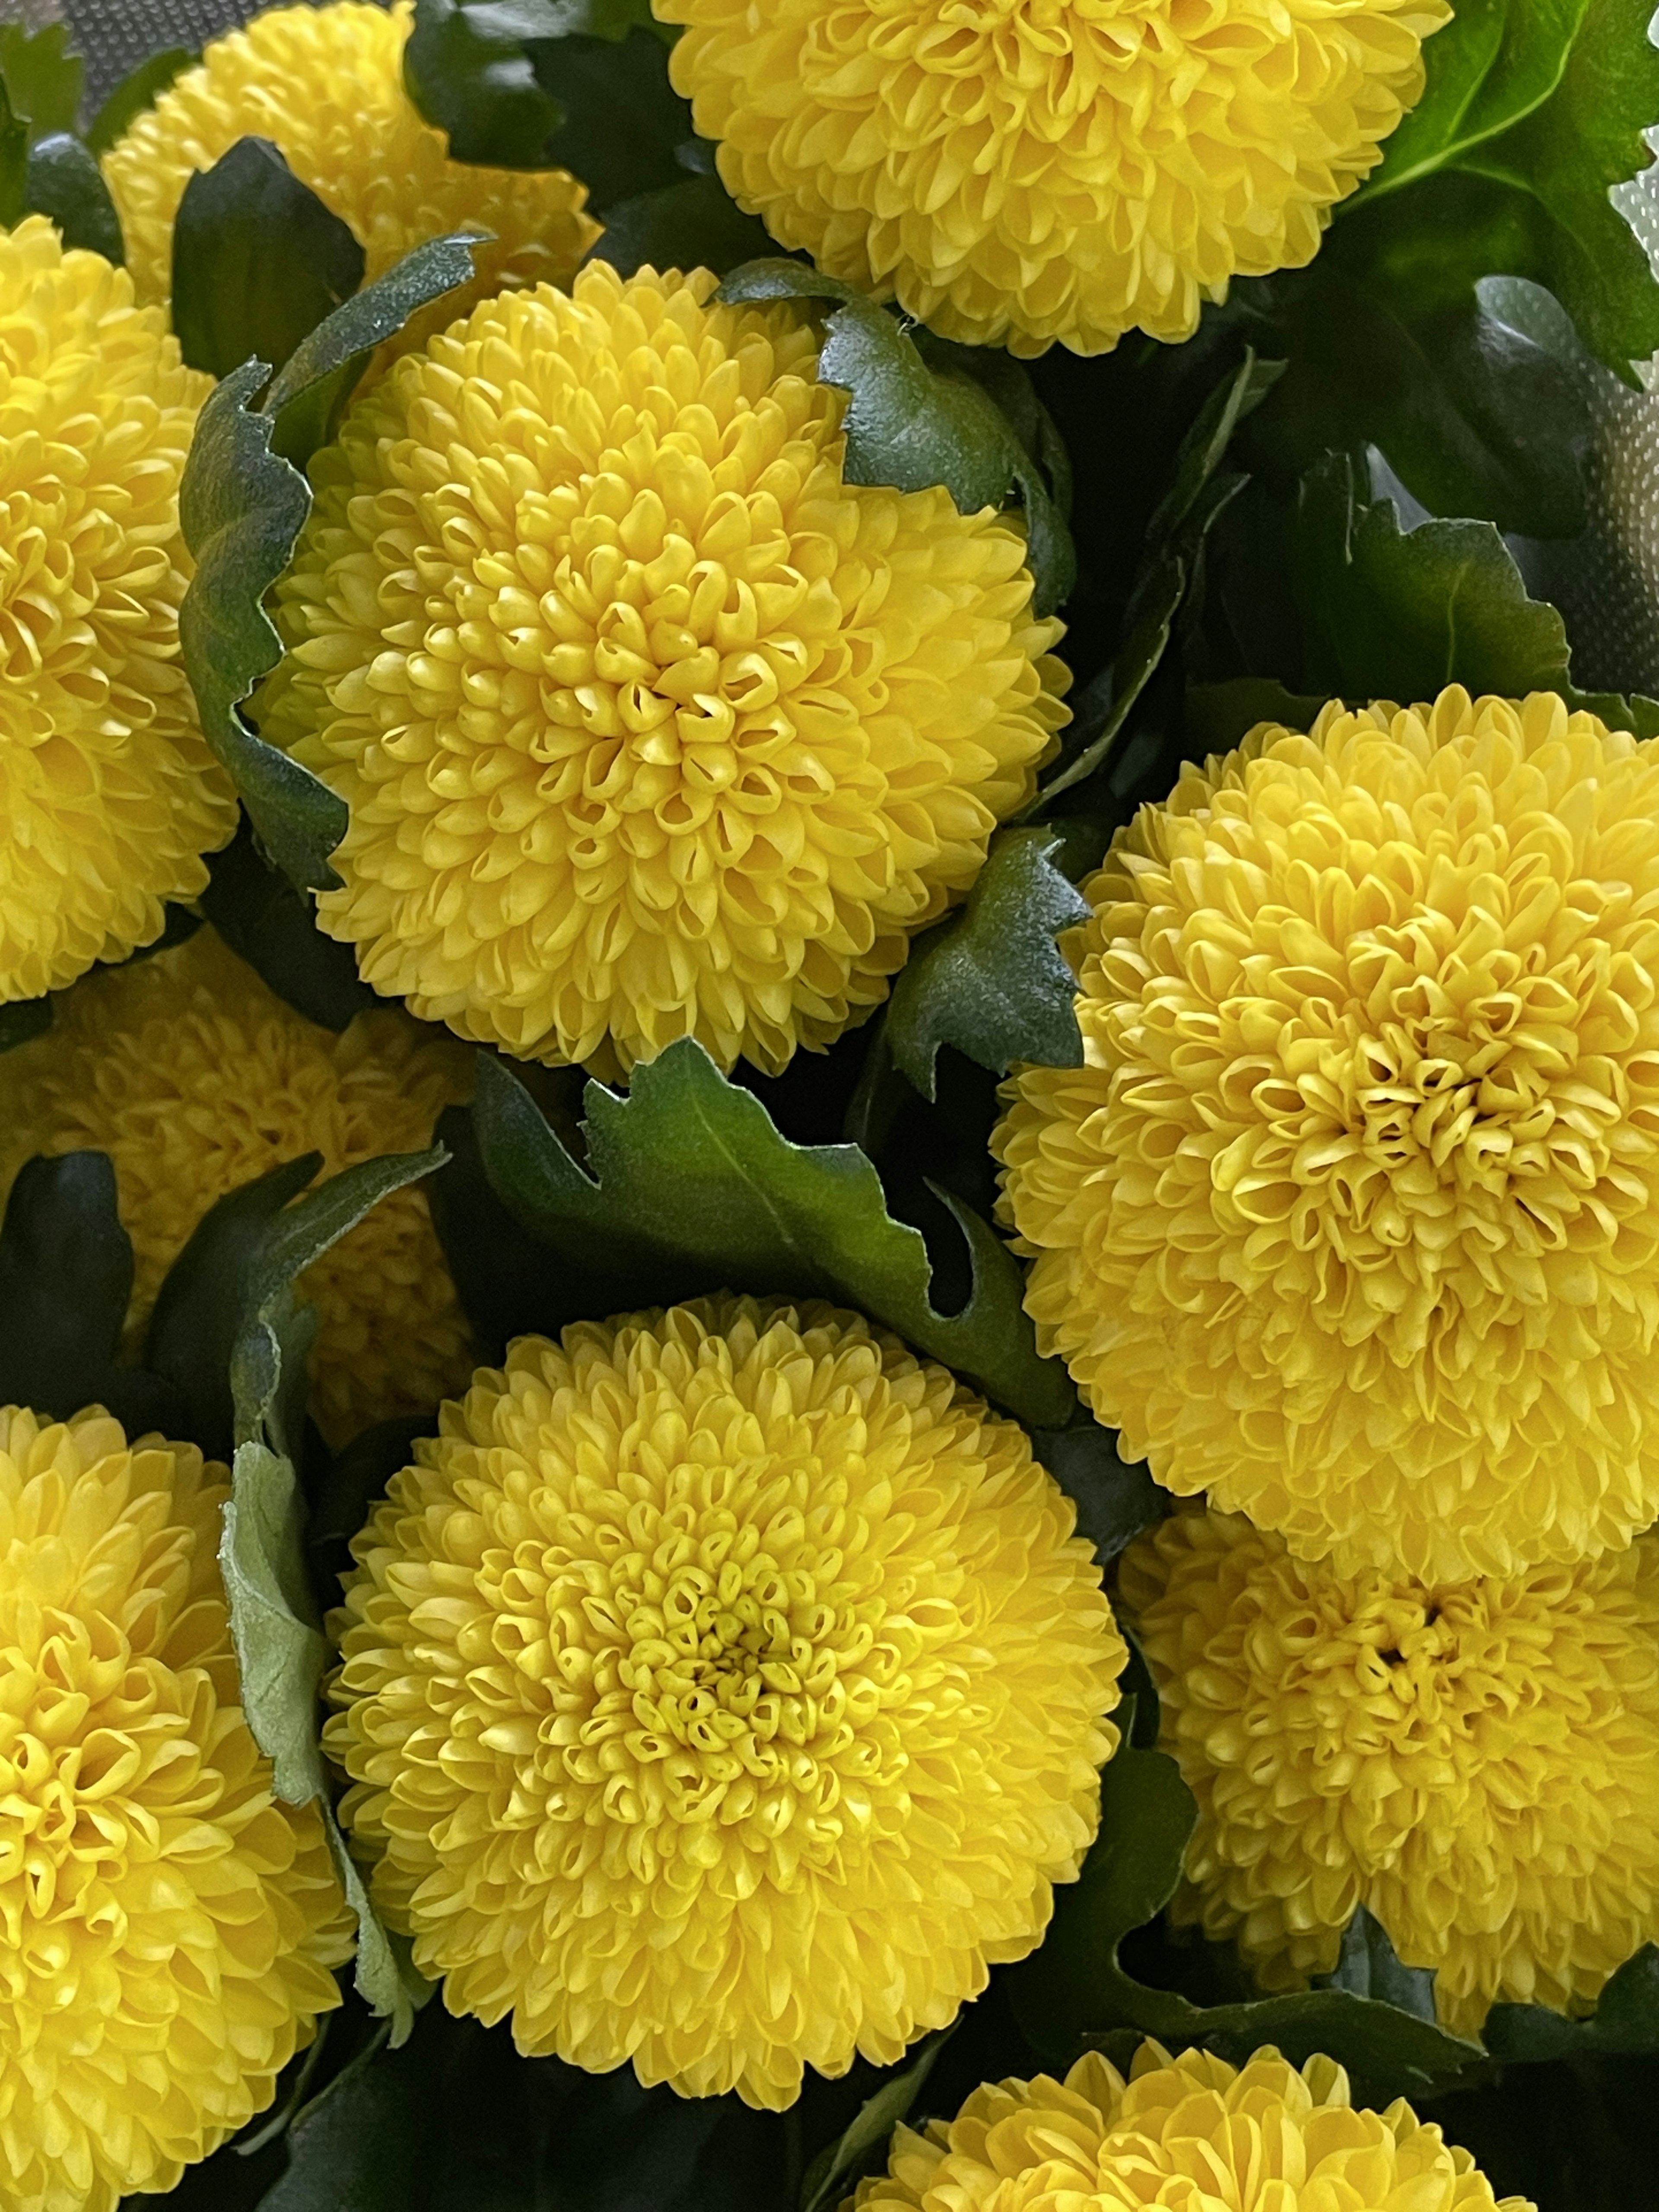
(108, 793)
(325, 85)
(724, 1692)
(651, 725)
(1022, 171)
(1351, 1218)
(168, 1923)
(1191, 2132)
(1477, 1764)
(195, 1078)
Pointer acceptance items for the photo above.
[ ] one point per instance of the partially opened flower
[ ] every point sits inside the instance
(1191, 2133)
(1476, 1763)
(650, 725)
(195, 1078)
(108, 793)
(724, 1690)
(169, 1924)
(1034, 170)
(1351, 1218)
(325, 85)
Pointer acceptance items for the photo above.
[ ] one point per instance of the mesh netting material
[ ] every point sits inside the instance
(1605, 582)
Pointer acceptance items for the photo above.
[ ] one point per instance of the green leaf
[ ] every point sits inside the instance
(694, 1190)
(990, 978)
(65, 183)
(43, 78)
(623, 123)
(1115, 1499)
(837, 2166)
(1220, 716)
(1075, 1990)
(693, 224)
(1368, 1966)
(910, 426)
(257, 260)
(1626, 2020)
(270, 925)
(65, 1278)
(137, 92)
(364, 2143)
(241, 508)
(22, 1020)
(309, 393)
(281, 1653)
(1399, 614)
(14, 165)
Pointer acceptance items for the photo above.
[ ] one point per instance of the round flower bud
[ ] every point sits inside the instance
(650, 725)
(1351, 1218)
(108, 791)
(169, 1924)
(1475, 1763)
(195, 1078)
(1192, 2132)
(1060, 169)
(325, 86)
(724, 1690)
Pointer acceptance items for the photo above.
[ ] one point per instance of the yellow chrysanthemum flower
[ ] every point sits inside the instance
(1192, 2132)
(724, 1692)
(168, 1924)
(651, 725)
(195, 1078)
(1476, 1763)
(107, 790)
(325, 86)
(1034, 170)
(1351, 1218)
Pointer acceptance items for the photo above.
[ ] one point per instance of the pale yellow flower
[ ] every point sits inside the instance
(195, 1078)
(651, 725)
(107, 790)
(724, 1690)
(1028, 171)
(1191, 2133)
(168, 1925)
(1475, 1763)
(1351, 1218)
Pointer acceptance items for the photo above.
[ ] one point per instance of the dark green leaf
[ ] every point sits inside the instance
(65, 183)
(270, 925)
(1626, 2019)
(22, 1020)
(1369, 1967)
(500, 1271)
(990, 978)
(363, 2145)
(622, 121)
(353, 1486)
(241, 507)
(1220, 716)
(14, 165)
(1115, 1499)
(43, 79)
(911, 427)
(257, 260)
(137, 92)
(832, 2172)
(1400, 614)
(1075, 1990)
(694, 1190)
(65, 1278)
(693, 224)
(309, 393)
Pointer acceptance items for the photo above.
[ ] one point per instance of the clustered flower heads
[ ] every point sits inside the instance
(650, 724)
(1476, 1763)
(324, 86)
(1352, 1217)
(1191, 2132)
(108, 793)
(1037, 170)
(168, 1925)
(195, 1078)
(724, 1690)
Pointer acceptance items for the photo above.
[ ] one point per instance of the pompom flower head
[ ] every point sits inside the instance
(650, 725)
(1191, 2132)
(1477, 1763)
(325, 85)
(108, 791)
(1016, 172)
(195, 1078)
(168, 1925)
(1351, 1218)
(724, 1690)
